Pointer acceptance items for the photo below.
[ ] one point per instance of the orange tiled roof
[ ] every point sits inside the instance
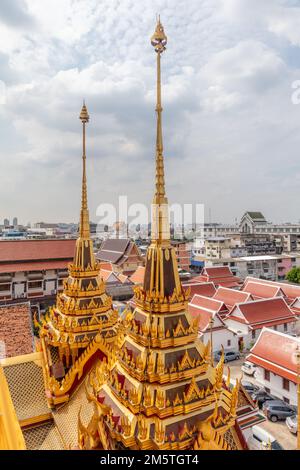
(36, 266)
(138, 276)
(230, 297)
(201, 288)
(219, 275)
(35, 250)
(262, 291)
(274, 351)
(289, 290)
(260, 313)
(16, 329)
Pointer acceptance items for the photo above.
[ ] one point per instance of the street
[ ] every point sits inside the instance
(279, 429)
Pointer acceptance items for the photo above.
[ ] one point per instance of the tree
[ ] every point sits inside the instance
(293, 275)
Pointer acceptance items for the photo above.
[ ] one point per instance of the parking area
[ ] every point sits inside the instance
(279, 429)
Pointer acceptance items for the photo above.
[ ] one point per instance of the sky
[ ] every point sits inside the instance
(231, 118)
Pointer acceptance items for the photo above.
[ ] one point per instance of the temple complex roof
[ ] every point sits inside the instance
(159, 387)
(16, 330)
(69, 332)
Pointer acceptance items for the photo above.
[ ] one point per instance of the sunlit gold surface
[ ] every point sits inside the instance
(159, 389)
(83, 311)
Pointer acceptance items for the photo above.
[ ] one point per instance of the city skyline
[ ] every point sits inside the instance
(222, 122)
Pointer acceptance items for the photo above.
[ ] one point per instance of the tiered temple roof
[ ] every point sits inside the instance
(161, 389)
(83, 311)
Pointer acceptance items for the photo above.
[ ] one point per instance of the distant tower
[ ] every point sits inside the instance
(6, 222)
(15, 221)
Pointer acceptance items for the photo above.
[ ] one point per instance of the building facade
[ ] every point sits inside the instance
(274, 356)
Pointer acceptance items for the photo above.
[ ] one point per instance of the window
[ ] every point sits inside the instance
(267, 376)
(286, 400)
(275, 327)
(253, 334)
(285, 327)
(35, 285)
(286, 384)
(267, 390)
(228, 342)
(4, 287)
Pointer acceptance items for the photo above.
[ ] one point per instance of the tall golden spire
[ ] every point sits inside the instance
(84, 229)
(160, 218)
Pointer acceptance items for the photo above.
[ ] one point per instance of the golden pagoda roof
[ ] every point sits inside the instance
(161, 384)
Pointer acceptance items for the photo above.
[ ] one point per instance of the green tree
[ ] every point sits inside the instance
(293, 275)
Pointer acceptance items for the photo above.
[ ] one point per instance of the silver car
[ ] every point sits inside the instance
(291, 423)
(228, 356)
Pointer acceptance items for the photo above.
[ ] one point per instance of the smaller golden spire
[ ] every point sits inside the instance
(84, 229)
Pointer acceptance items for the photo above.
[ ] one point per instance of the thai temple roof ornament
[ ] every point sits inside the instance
(83, 311)
(161, 384)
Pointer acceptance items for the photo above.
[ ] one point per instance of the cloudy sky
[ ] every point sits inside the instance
(231, 130)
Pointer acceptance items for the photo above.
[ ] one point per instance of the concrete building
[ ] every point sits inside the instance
(33, 270)
(183, 253)
(273, 354)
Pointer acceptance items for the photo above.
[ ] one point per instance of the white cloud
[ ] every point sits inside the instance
(230, 129)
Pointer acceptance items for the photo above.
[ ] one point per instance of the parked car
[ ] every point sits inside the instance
(277, 410)
(250, 387)
(228, 356)
(292, 424)
(261, 440)
(248, 368)
(261, 396)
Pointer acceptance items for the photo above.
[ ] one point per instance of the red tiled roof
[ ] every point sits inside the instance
(262, 291)
(289, 290)
(35, 250)
(123, 278)
(230, 297)
(16, 329)
(204, 316)
(37, 266)
(274, 351)
(138, 276)
(201, 288)
(208, 303)
(205, 308)
(219, 275)
(261, 313)
(106, 266)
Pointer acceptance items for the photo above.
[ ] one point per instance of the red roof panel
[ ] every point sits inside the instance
(34, 250)
(230, 297)
(278, 349)
(262, 311)
(37, 266)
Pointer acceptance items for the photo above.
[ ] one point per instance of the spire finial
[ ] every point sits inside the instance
(84, 213)
(159, 39)
(161, 229)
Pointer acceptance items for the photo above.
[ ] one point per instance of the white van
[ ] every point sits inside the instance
(248, 368)
(262, 440)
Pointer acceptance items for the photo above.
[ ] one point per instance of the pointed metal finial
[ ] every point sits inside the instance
(84, 228)
(84, 115)
(159, 39)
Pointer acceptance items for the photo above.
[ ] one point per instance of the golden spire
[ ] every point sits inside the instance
(160, 229)
(84, 229)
